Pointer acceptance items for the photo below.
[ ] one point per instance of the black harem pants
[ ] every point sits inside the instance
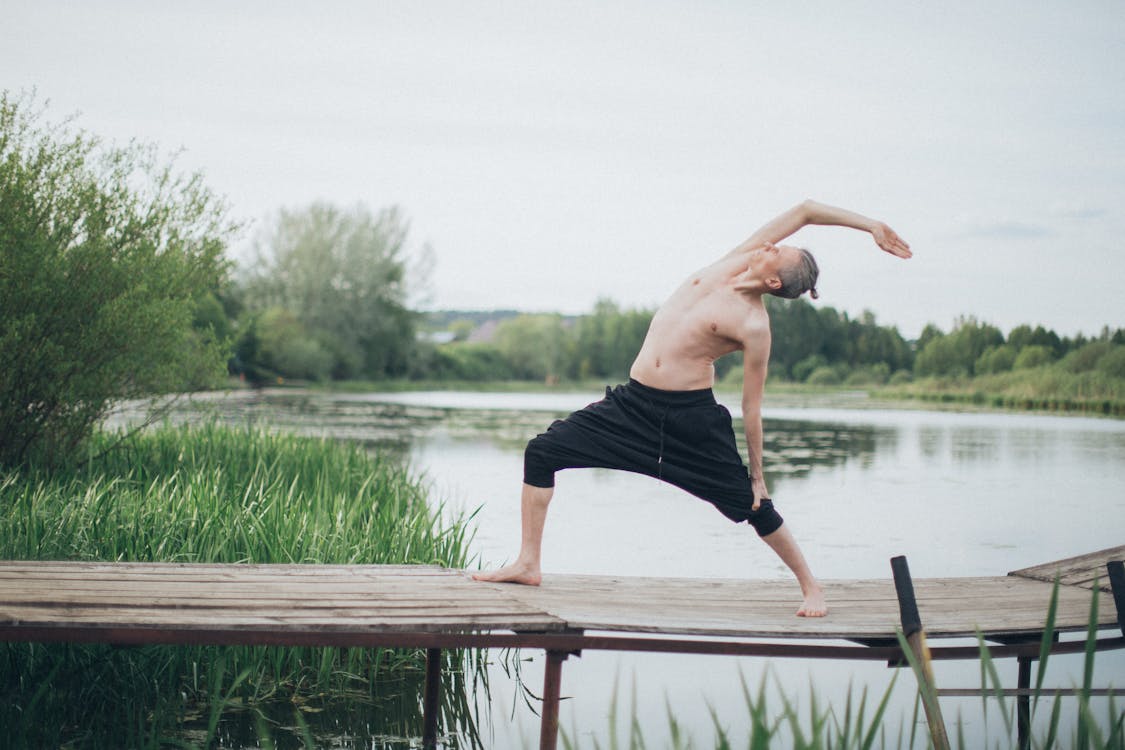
(684, 438)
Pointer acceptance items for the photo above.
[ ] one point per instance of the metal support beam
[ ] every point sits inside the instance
(431, 699)
(552, 684)
(916, 638)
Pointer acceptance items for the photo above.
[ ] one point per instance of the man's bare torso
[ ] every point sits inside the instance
(706, 317)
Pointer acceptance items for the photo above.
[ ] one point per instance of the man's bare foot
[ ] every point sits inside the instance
(517, 572)
(814, 605)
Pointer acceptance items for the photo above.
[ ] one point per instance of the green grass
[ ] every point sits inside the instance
(1046, 388)
(206, 494)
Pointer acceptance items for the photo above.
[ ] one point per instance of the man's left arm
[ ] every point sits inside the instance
(811, 212)
(755, 359)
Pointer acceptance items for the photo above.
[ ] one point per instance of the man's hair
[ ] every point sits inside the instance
(799, 277)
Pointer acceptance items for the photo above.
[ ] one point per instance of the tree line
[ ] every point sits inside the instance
(116, 282)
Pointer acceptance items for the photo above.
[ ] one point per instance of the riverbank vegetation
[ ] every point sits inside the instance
(210, 494)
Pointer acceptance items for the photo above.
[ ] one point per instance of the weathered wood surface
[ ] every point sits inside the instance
(291, 599)
(858, 609)
(264, 598)
(1082, 570)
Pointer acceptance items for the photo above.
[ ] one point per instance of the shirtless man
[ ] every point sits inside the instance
(665, 421)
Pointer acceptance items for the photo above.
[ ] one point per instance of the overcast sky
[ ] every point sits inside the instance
(554, 153)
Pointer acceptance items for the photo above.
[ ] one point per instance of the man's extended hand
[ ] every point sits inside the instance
(886, 238)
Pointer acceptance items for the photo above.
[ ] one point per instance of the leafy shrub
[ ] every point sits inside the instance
(1033, 356)
(105, 253)
(1085, 358)
(996, 359)
(824, 376)
(1113, 362)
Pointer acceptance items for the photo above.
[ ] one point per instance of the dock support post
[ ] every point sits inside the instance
(1023, 703)
(1116, 570)
(916, 639)
(431, 699)
(552, 683)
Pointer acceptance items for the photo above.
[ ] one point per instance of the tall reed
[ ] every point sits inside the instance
(205, 494)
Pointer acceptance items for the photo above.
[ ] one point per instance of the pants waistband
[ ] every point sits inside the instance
(700, 397)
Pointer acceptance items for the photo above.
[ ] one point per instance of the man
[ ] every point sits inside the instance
(665, 422)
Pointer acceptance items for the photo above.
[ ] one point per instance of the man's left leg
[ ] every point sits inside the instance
(782, 542)
(533, 518)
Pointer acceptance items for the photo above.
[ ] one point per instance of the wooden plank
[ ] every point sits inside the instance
(1080, 570)
(949, 607)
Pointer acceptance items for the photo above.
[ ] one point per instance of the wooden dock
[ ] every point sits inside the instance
(435, 608)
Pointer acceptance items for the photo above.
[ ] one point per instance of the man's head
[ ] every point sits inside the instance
(794, 273)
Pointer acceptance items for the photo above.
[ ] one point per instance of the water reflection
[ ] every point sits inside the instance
(791, 449)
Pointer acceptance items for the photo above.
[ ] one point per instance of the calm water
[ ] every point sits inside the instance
(960, 494)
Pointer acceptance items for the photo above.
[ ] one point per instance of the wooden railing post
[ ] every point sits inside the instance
(916, 639)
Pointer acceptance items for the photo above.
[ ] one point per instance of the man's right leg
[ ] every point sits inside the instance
(533, 517)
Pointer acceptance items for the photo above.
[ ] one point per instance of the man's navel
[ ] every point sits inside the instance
(658, 361)
(714, 327)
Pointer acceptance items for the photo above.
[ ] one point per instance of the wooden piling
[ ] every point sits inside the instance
(552, 685)
(431, 699)
(916, 638)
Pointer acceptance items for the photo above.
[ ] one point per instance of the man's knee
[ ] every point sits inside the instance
(538, 465)
(765, 519)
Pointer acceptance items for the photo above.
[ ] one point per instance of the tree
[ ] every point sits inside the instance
(534, 346)
(105, 253)
(958, 352)
(342, 275)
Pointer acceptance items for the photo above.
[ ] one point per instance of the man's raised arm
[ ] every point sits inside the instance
(810, 212)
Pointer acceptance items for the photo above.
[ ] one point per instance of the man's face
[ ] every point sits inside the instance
(767, 261)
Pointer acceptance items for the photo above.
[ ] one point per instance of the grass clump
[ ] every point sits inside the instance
(205, 494)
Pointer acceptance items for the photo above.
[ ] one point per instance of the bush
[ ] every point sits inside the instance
(104, 256)
(1033, 356)
(824, 376)
(1113, 362)
(1086, 358)
(807, 366)
(996, 359)
(876, 374)
(900, 377)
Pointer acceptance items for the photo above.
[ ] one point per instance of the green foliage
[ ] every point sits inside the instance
(1112, 363)
(1033, 355)
(996, 359)
(1024, 336)
(342, 276)
(957, 352)
(285, 346)
(106, 260)
(465, 361)
(824, 376)
(1085, 358)
(607, 340)
(535, 347)
(806, 338)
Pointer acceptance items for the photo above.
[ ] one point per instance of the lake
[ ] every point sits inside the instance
(958, 493)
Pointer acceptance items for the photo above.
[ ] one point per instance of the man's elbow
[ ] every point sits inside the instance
(752, 410)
